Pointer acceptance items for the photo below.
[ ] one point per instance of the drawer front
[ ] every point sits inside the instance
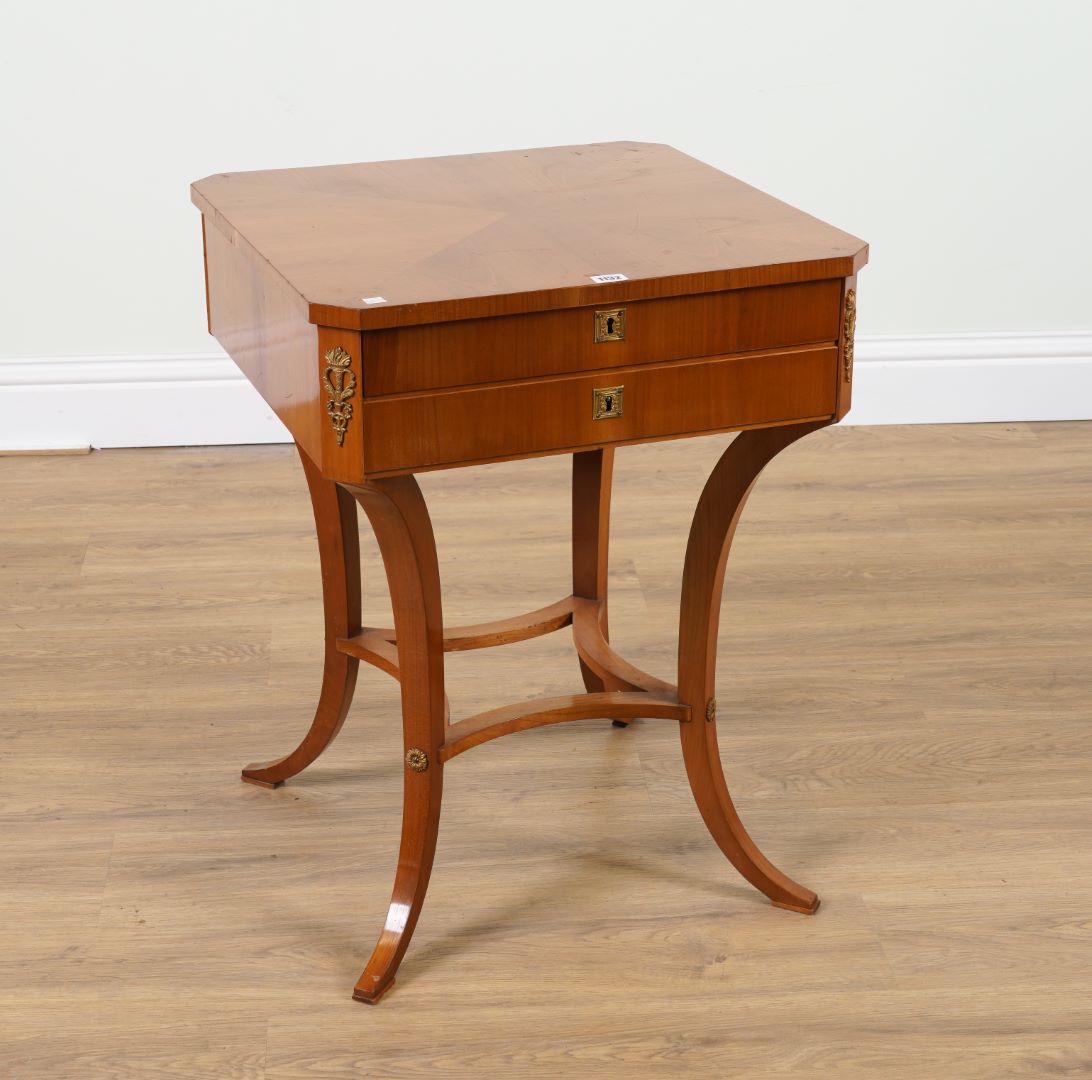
(554, 342)
(542, 416)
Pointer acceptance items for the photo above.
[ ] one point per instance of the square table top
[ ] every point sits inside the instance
(437, 239)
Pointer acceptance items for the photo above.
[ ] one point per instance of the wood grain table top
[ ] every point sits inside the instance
(441, 239)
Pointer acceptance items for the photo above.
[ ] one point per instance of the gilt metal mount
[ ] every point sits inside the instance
(416, 759)
(849, 326)
(340, 382)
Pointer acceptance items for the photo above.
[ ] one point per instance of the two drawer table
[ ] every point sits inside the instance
(404, 316)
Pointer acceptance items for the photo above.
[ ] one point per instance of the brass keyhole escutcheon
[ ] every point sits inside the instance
(607, 402)
(610, 325)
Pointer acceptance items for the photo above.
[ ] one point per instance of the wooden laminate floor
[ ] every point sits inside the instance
(905, 685)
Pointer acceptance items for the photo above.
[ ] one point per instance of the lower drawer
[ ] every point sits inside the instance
(413, 432)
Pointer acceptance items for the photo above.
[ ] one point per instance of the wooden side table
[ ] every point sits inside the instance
(428, 314)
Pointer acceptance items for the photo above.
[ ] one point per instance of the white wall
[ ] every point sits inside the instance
(952, 135)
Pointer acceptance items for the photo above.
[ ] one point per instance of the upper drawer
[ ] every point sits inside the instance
(555, 342)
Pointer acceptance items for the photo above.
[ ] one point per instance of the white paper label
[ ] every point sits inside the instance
(374, 299)
(601, 279)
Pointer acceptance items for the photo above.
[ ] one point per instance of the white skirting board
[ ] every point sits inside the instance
(972, 378)
(50, 403)
(104, 401)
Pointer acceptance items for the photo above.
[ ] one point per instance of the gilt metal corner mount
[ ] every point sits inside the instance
(849, 327)
(339, 379)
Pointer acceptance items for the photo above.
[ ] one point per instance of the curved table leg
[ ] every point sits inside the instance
(339, 558)
(714, 524)
(400, 519)
(592, 474)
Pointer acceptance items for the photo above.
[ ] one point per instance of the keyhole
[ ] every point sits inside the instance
(608, 401)
(610, 329)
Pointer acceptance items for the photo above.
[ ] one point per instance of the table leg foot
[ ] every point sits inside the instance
(703, 769)
(420, 826)
(403, 531)
(338, 683)
(339, 557)
(370, 995)
(714, 525)
(810, 909)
